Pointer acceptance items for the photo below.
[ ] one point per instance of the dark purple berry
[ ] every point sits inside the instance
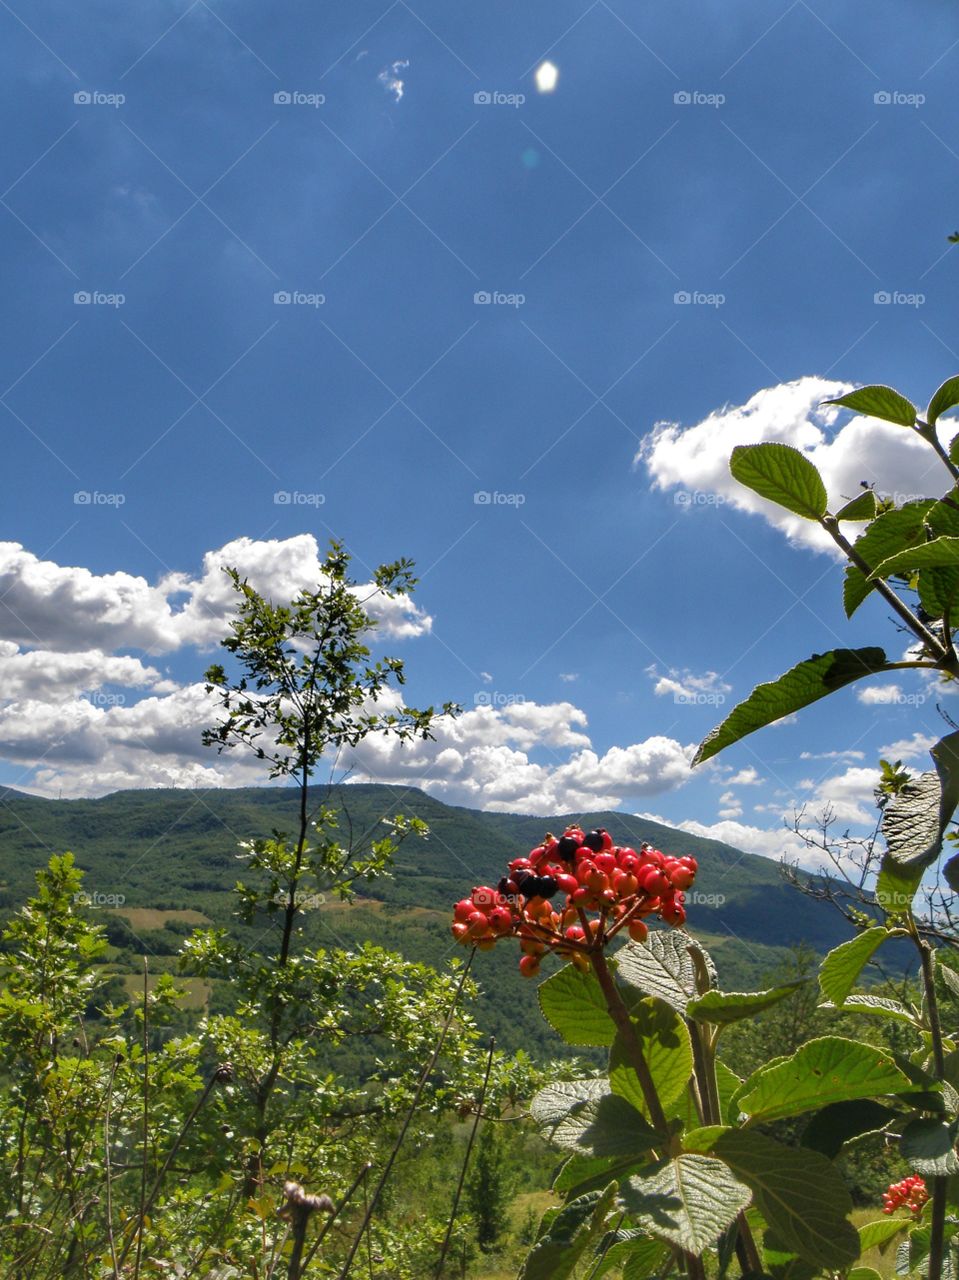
(567, 848)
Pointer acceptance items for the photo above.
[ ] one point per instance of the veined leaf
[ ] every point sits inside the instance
(877, 1005)
(798, 1192)
(574, 1005)
(639, 1255)
(914, 821)
(664, 1040)
(879, 1234)
(832, 1127)
(807, 682)
(830, 1069)
(930, 1148)
(879, 402)
(581, 1174)
(945, 398)
(609, 1126)
(897, 884)
(863, 507)
(688, 1201)
(661, 966)
(942, 552)
(572, 1231)
(842, 967)
(554, 1103)
(781, 474)
(891, 532)
(725, 1007)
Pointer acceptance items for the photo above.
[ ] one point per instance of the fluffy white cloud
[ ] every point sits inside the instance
(914, 748)
(68, 608)
(879, 695)
(695, 460)
(776, 843)
(687, 687)
(748, 777)
(482, 760)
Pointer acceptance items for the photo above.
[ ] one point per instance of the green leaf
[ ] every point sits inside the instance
(832, 1127)
(863, 507)
(664, 1040)
(929, 1146)
(889, 533)
(879, 1234)
(896, 886)
(863, 1273)
(830, 1069)
(554, 1103)
(725, 1007)
(661, 966)
(572, 1231)
(688, 1201)
(574, 1005)
(798, 1192)
(638, 1255)
(877, 1005)
(609, 1126)
(783, 475)
(941, 552)
(807, 682)
(581, 1174)
(842, 967)
(914, 822)
(945, 398)
(879, 402)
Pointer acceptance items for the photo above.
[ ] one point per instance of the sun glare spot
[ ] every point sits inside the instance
(547, 73)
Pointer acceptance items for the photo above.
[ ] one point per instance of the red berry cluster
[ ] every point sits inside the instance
(618, 885)
(911, 1192)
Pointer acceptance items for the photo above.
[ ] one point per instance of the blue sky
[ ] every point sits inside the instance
(778, 165)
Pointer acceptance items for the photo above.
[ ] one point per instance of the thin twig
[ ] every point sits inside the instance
(466, 1160)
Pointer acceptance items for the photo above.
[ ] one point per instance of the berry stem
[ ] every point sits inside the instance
(620, 1015)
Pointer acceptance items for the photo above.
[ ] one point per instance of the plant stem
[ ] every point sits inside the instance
(919, 629)
(938, 1222)
(620, 1015)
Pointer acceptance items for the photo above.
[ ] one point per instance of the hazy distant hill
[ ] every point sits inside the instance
(168, 851)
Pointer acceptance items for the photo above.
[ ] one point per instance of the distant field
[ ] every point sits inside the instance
(153, 918)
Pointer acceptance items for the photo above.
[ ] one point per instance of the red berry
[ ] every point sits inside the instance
(501, 919)
(463, 910)
(606, 862)
(638, 930)
(529, 966)
(567, 883)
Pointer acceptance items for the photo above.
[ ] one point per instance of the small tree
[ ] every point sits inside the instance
(489, 1190)
(307, 688)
